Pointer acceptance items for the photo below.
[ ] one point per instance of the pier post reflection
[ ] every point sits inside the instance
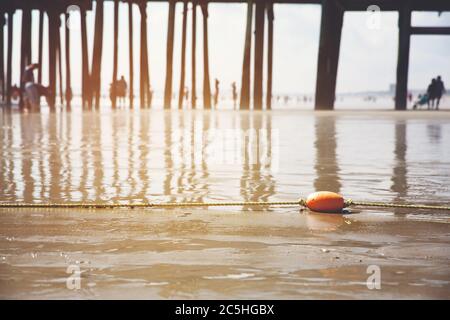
(257, 182)
(326, 167)
(400, 170)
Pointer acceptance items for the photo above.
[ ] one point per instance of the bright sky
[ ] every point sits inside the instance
(367, 61)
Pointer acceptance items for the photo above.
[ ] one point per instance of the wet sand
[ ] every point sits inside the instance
(238, 253)
(209, 254)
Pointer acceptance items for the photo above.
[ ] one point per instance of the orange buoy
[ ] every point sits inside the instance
(325, 201)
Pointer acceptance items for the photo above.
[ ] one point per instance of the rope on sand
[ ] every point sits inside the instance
(323, 201)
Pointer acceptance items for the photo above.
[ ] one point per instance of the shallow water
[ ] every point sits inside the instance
(155, 156)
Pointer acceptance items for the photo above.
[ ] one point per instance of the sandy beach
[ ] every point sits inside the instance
(210, 254)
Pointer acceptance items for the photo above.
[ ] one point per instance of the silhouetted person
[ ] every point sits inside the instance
(32, 91)
(121, 90)
(410, 97)
(431, 92)
(28, 75)
(216, 93)
(186, 94)
(150, 96)
(286, 99)
(440, 90)
(235, 95)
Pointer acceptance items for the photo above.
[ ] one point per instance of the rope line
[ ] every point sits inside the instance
(87, 205)
(393, 205)
(300, 202)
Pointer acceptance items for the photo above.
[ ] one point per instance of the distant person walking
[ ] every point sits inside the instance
(216, 93)
(440, 90)
(431, 92)
(186, 95)
(235, 94)
(121, 90)
(150, 96)
(118, 89)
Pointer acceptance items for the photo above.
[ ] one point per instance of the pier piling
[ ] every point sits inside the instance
(259, 55)
(206, 80)
(270, 18)
(68, 91)
(53, 25)
(25, 49)
(183, 56)
(115, 52)
(85, 61)
(245, 82)
(9, 57)
(95, 91)
(329, 44)
(401, 88)
(59, 54)
(2, 65)
(169, 55)
(193, 57)
(40, 44)
(144, 77)
(130, 48)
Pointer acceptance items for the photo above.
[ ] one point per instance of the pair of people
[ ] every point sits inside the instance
(435, 91)
(118, 89)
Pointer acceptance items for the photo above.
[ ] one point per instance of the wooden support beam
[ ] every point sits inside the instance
(9, 57)
(68, 73)
(95, 91)
(270, 18)
(40, 44)
(259, 56)
(206, 80)
(193, 56)
(183, 56)
(130, 48)
(147, 74)
(2, 57)
(401, 88)
(115, 51)
(25, 48)
(169, 55)
(53, 25)
(86, 81)
(144, 78)
(329, 45)
(245, 82)
(59, 53)
(430, 30)
(26, 39)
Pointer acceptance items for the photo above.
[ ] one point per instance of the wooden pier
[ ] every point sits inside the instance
(259, 12)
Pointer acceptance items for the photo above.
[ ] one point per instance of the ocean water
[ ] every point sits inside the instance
(237, 252)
